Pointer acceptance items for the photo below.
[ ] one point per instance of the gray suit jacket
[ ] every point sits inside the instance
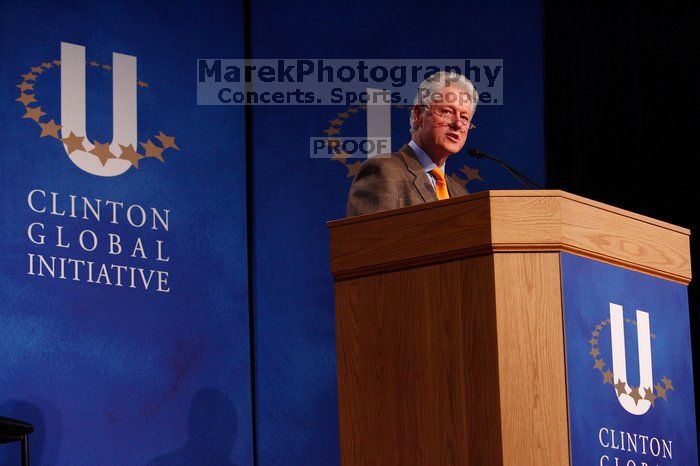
(390, 182)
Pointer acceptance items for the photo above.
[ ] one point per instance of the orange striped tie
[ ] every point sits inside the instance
(440, 184)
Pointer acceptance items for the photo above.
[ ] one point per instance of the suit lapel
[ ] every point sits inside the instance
(421, 180)
(454, 188)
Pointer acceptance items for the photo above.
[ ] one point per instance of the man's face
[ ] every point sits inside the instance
(444, 125)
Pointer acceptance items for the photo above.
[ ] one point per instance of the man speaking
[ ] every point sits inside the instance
(441, 118)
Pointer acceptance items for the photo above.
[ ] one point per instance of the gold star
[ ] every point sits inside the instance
(344, 115)
(649, 396)
(128, 153)
(29, 77)
(598, 327)
(167, 141)
(47, 65)
(620, 388)
(336, 122)
(152, 150)
(56, 62)
(608, 377)
(331, 131)
(599, 364)
(636, 396)
(661, 391)
(26, 99)
(49, 129)
(73, 143)
(107, 67)
(471, 173)
(340, 156)
(142, 83)
(37, 69)
(593, 341)
(353, 110)
(667, 382)
(102, 152)
(94, 64)
(25, 86)
(595, 333)
(353, 168)
(594, 352)
(34, 113)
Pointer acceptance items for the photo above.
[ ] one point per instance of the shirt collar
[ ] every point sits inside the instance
(423, 158)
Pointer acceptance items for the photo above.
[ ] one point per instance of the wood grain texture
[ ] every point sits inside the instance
(626, 241)
(595, 230)
(418, 367)
(532, 370)
(410, 236)
(499, 221)
(449, 323)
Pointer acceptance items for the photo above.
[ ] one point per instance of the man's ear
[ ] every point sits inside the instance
(418, 114)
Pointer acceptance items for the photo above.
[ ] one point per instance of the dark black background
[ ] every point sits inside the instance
(621, 112)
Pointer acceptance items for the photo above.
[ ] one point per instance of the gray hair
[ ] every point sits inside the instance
(435, 83)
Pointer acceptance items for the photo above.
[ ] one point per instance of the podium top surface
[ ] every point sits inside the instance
(508, 221)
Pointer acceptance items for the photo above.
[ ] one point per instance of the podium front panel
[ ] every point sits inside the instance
(629, 367)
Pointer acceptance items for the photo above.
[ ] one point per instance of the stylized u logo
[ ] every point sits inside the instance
(73, 115)
(633, 399)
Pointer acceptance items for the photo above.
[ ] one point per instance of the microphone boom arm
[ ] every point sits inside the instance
(527, 182)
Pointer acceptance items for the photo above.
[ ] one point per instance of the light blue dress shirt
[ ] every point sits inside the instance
(424, 160)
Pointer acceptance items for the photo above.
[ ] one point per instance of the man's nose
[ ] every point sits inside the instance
(459, 124)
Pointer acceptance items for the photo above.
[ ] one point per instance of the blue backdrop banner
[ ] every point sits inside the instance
(124, 293)
(295, 191)
(124, 315)
(629, 368)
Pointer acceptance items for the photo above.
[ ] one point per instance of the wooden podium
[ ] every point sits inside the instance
(449, 322)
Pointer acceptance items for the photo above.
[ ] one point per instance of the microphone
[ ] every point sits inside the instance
(527, 182)
(476, 153)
